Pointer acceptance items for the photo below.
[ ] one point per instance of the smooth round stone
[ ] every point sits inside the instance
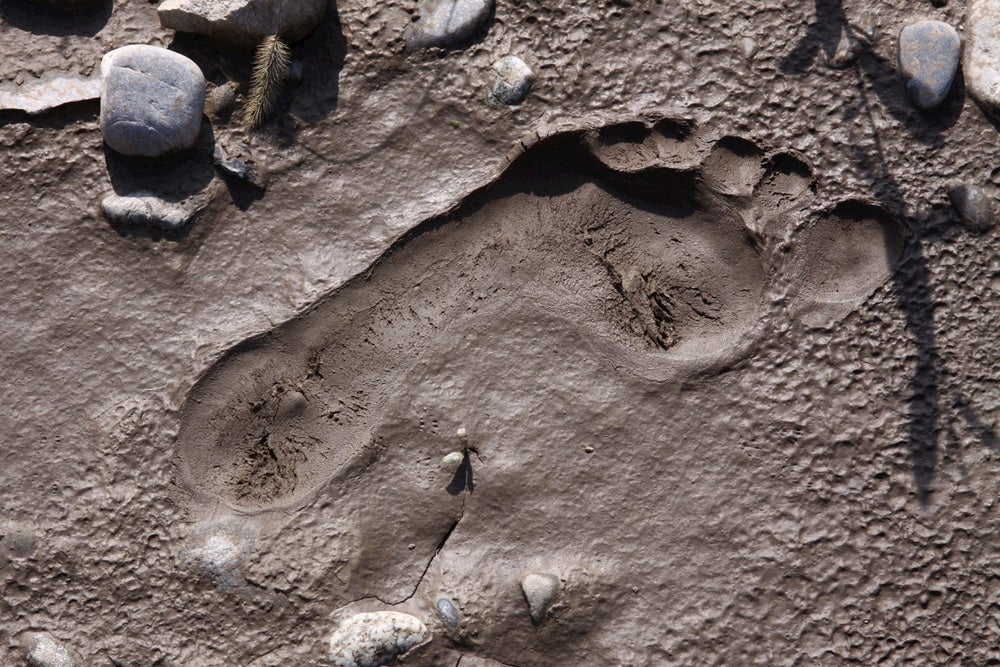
(151, 100)
(974, 206)
(513, 80)
(444, 22)
(928, 59)
(448, 613)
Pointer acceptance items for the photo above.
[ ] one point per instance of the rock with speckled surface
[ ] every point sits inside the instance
(44, 650)
(444, 22)
(375, 638)
(512, 81)
(929, 52)
(151, 100)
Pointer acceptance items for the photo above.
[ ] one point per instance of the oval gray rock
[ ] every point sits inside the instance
(513, 80)
(444, 22)
(243, 22)
(982, 66)
(928, 59)
(151, 100)
(974, 206)
(448, 612)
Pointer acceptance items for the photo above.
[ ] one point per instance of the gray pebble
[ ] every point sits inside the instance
(146, 209)
(540, 590)
(444, 22)
(973, 205)
(448, 612)
(237, 160)
(982, 67)
(928, 59)
(44, 650)
(151, 100)
(513, 80)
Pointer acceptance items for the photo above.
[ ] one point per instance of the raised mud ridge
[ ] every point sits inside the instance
(668, 252)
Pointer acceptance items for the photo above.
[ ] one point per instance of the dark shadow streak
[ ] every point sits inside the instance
(463, 479)
(910, 275)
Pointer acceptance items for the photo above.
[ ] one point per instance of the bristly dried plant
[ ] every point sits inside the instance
(270, 68)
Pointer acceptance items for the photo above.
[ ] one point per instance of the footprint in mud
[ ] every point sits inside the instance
(659, 246)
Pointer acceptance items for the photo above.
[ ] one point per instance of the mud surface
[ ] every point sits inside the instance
(719, 344)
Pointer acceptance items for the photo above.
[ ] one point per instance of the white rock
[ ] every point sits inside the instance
(146, 209)
(452, 460)
(444, 22)
(39, 96)
(513, 80)
(540, 590)
(151, 100)
(243, 22)
(375, 638)
(44, 650)
(982, 53)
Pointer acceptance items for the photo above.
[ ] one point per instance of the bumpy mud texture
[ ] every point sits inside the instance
(774, 447)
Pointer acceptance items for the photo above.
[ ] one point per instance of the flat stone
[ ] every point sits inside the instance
(237, 160)
(243, 22)
(982, 53)
(151, 101)
(444, 22)
(44, 650)
(929, 52)
(513, 80)
(375, 638)
(40, 96)
(147, 209)
(540, 590)
(974, 206)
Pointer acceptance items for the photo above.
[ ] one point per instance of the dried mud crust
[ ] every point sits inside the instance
(670, 251)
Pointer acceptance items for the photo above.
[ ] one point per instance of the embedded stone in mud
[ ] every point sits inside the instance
(375, 638)
(540, 591)
(512, 81)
